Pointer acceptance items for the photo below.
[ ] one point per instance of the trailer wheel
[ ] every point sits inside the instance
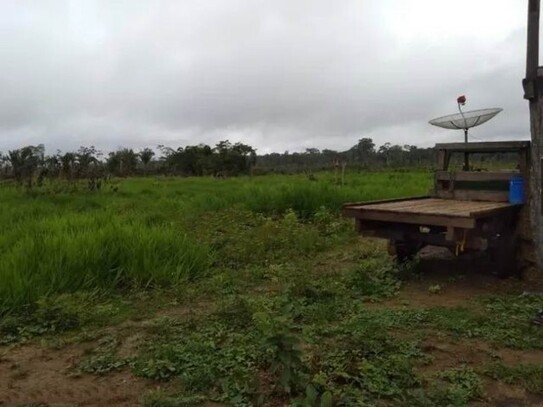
(504, 257)
(404, 251)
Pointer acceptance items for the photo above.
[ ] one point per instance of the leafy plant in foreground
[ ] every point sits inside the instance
(314, 399)
(210, 358)
(374, 278)
(284, 352)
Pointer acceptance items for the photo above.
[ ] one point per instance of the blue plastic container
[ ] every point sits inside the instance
(516, 190)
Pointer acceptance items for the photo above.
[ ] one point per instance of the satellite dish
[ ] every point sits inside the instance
(465, 121)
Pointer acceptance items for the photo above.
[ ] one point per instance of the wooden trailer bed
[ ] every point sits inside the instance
(427, 211)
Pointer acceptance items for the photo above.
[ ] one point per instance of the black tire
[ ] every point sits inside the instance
(504, 257)
(405, 251)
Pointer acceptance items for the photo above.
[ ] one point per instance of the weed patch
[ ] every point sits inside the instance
(529, 376)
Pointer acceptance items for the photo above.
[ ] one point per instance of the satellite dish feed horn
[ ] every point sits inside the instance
(465, 121)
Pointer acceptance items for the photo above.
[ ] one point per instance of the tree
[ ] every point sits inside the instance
(171, 159)
(363, 152)
(52, 165)
(3, 163)
(122, 162)
(384, 151)
(25, 161)
(312, 151)
(87, 160)
(68, 165)
(146, 155)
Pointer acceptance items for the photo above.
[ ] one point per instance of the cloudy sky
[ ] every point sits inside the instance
(276, 74)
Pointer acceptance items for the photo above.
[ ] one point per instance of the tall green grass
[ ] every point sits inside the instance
(306, 197)
(95, 251)
(54, 242)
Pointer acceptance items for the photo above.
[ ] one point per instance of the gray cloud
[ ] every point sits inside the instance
(278, 75)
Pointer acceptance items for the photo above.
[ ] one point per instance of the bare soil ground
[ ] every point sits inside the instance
(42, 375)
(34, 374)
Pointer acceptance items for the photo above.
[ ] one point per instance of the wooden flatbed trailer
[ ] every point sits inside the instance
(466, 211)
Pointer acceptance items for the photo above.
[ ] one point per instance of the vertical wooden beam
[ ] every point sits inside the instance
(533, 91)
(532, 54)
(443, 157)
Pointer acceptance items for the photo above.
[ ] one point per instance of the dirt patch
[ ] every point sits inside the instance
(513, 357)
(505, 395)
(130, 345)
(443, 280)
(476, 354)
(197, 307)
(39, 374)
(448, 355)
(33, 374)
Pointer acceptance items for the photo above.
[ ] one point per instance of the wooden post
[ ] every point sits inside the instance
(533, 91)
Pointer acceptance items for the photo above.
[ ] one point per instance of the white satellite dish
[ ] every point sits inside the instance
(465, 121)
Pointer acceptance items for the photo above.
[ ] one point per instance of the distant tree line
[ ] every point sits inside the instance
(31, 165)
(363, 155)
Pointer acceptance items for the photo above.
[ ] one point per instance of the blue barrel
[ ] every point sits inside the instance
(516, 190)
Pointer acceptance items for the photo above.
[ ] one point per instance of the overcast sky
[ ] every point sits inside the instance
(276, 74)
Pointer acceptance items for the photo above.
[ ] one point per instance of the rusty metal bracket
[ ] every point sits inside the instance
(461, 245)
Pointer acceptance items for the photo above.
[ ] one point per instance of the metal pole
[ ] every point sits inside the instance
(533, 91)
(466, 154)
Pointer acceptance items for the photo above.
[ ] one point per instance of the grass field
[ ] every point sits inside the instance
(246, 291)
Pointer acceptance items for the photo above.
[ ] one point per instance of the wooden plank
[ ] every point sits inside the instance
(364, 203)
(466, 212)
(444, 194)
(476, 176)
(483, 213)
(451, 211)
(411, 218)
(492, 196)
(447, 207)
(431, 204)
(428, 207)
(405, 206)
(412, 207)
(434, 207)
(473, 195)
(485, 147)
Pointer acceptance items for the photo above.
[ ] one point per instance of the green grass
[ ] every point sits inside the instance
(87, 252)
(247, 291)
(152, 231)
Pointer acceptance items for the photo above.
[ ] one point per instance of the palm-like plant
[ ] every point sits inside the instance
(146, 155)
(24, 162)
